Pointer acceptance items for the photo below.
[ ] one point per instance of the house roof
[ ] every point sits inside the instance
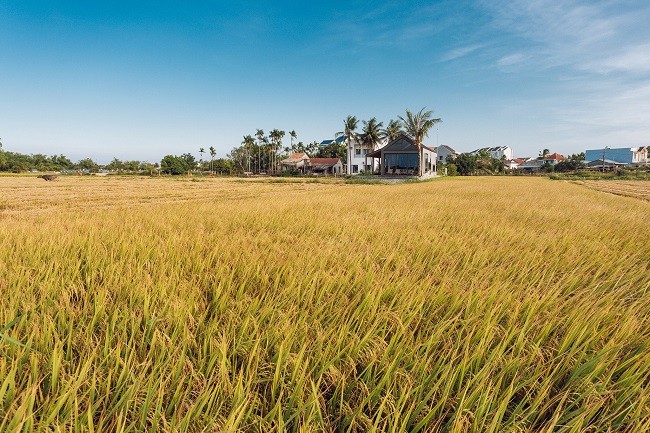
(323, 162)
(448, 148)
(491, 149)
(340, 139)
(533, 163)
(295, 157)
(554, 157)
(403, 143)
(599, 163)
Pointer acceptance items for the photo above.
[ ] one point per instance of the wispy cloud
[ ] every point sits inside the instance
(389, 24)
(599, 53)
(461, 52)
(585, 35)
(511, 60)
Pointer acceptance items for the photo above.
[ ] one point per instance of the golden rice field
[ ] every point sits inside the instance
(629, 188)
(456, 305)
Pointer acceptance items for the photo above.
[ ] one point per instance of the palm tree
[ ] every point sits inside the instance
(201, 152)
(293, 136)
(349, 132)
(261, 140)
(417, 125)
(276, 143)
(370, 136)
(213, 152)
(392, 131)
(371, 133)
(249, 142)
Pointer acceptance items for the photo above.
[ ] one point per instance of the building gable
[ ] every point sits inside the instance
(402, 143)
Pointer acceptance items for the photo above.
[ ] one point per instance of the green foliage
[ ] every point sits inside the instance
(333, 150)
(18, 162)
(87, 164)
(174, 165)
(223, 166)
(465, 163)
(572, 163)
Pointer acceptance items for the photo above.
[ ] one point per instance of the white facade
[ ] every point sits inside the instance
(495, 152)
(358, 160)
(443, 151)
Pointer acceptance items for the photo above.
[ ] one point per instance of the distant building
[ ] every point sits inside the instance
(400, 158)
(339, 140)
(295, 161)
(495, 152)
(325, 166)
(444, 152)
(553, 158)
(607, 165)
(531, 165)
(512, 164)
(621, 155)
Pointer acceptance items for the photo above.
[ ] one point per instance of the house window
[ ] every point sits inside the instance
(357, 152)
(440, 157)
(355, 168)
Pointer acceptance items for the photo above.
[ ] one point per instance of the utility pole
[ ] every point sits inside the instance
(603, 167)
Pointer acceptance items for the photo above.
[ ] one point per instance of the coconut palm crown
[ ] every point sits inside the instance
(371, 133)
(392, 131)
(417, 125)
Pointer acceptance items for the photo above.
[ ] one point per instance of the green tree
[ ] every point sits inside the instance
(465, 163)
(572, 163)
(223, 166)
(371, 133)
(275, 136)
(261, 142)
(392, 131)
(174, 165)
(213, 153)
(333, 150)
(350, 125)
(201, 152)
(248, 144)
(132, 166)
(417, 125)
(87, 164)
(115, 165)
(293, 136)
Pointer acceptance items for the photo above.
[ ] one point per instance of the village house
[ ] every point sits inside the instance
(325, 166)
(295, 161)
(620, 155)
(499, 152)
(400, 158)
(443, 152)
(553, 158)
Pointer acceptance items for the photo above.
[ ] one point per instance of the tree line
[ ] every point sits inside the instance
(467, 164)
(259, 152)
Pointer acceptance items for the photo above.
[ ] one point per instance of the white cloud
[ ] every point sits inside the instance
(583, 35)
(633, 59)
(461, 52)
(512, 59)
(595, 59)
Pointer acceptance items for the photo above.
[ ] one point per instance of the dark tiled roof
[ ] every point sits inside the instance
(323, 161)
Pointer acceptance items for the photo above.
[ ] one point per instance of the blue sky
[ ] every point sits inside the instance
(142, 79)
